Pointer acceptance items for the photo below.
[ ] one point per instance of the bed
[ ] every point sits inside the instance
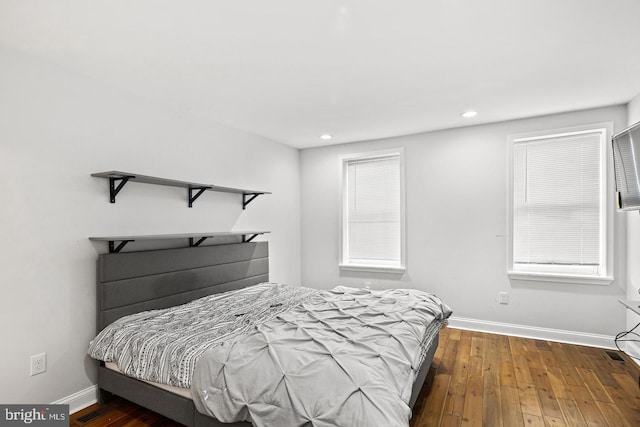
(135, 282)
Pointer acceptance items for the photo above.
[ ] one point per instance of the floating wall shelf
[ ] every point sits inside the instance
(118, 179)
(195, 239)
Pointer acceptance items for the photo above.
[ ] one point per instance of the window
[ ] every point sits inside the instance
(558, 206)
(373, 212)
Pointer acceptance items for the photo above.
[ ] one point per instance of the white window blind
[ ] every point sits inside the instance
(558, 204)
(373, 216)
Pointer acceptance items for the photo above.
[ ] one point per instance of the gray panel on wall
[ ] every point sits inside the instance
(132, 282)
(130, 291)
(109, 316)
(125, 265)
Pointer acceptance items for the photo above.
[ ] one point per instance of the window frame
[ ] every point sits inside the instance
(606, 208)
(343, 263)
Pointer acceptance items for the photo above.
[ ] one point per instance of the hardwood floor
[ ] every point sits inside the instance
(120, 413)
(480, 379)
(483, 379)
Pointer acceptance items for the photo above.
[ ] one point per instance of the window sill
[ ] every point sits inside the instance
(561, 278)
(372, 268)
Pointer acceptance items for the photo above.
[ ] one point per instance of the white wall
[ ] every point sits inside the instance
(633, 242)
(56, 128)
(456, 226)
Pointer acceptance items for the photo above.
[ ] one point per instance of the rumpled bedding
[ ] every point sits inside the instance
(163, 346)
(346, 357)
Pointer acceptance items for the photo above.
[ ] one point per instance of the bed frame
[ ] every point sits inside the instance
(131, 282)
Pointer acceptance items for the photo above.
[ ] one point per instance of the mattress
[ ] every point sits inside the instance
(184, 392)
(347, 357)
(163, 346)
(276, 354)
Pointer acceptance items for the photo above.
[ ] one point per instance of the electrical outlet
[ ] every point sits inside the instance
(503, 297)
(38, 363)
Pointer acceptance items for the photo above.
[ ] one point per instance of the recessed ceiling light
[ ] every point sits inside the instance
(468, 114)
(326, 137)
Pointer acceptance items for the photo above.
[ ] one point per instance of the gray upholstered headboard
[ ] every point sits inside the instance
(131, 282)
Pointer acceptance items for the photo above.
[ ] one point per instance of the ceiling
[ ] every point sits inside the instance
(291, 70)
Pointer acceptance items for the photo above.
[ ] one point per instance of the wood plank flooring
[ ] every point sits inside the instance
(483, 379)
(480, 379)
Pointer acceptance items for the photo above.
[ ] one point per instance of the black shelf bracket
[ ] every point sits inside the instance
(193, 243)
(118, 179)
(113, 189)
(113, 249)
(245, 240)
(193, 197)
(248, 198)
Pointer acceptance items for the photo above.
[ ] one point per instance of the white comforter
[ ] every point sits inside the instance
(348, 358)
(163, 346)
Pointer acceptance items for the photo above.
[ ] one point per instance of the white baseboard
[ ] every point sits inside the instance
(80, 400)
(570, 337)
